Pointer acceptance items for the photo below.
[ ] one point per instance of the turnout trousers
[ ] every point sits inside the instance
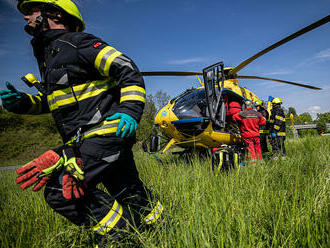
(253, 149)
(127, 200)
(278, 145)
(263, 143)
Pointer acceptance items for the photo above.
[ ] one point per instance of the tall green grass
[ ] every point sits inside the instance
(279, 203)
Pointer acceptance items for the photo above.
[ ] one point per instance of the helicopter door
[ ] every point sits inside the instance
(213, 92)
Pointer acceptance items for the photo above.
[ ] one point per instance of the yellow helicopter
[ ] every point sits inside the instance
(199, 117)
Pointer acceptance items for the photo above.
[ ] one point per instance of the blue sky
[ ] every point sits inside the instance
(192, 34)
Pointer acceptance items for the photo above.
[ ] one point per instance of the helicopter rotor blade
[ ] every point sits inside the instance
(170, 73)
(281, 81)
(281, 42)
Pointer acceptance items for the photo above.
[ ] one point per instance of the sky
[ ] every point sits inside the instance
(189, 35)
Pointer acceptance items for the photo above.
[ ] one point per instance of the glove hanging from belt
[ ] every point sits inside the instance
(38, 172)
(73, 184)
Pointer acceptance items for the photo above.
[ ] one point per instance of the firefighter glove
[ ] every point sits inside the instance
(39, 171)
(10, 97)
(274, 135)
(73, 184)
(127, 123)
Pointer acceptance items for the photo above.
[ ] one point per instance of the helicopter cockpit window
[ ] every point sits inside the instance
(191, 105)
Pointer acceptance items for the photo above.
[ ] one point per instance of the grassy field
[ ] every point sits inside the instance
(281, 203)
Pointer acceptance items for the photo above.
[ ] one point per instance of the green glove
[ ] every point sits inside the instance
(129, 123)
(10, 97)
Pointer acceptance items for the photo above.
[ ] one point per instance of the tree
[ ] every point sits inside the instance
(321, 121)
(304, 118)
(160, 99)
(292, 110)
(147, 119)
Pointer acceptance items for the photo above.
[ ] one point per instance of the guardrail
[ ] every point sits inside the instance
(308, 126)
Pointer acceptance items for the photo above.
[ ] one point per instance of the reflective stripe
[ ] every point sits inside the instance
(154, 214)
(36, 106)
(279, 118)
(60, 98)
(104, 59)
(276, 127)
(105, 127)
(132, 93)
(110, 220)
(281, 134)
(263, 131)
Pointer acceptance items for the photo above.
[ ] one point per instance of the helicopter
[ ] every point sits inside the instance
(199, 117)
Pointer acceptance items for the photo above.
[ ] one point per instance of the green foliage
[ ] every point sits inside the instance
(279, 203)
(304, 118)
(321, 121)
(25, 137)
(293, 111)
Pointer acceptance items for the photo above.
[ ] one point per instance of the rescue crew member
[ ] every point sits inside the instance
(96, 95)
(263, 129)
(249, 121)
(277, 127)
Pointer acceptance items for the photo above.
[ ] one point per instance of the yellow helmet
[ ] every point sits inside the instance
(277, 100)
(259, 103)
(67, 6)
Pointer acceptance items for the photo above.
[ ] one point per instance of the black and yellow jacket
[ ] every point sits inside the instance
(264, 129)
(84, 81)
(277, 121)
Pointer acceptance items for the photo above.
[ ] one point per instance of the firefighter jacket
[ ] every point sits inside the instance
(277, 121)
(84, 81)
(264, 129)
(249, 121)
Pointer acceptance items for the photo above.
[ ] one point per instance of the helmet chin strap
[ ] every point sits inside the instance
(41, 22)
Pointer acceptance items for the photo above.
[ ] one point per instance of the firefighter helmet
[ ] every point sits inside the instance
(67, 6)
(259, 103)
(277, 100)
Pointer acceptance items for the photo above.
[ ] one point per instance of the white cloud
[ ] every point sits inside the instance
(185, 61)
(314, 109)
(319, 57)
(281, 72)
(324, 54)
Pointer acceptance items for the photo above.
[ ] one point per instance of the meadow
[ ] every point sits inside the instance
(278, 203)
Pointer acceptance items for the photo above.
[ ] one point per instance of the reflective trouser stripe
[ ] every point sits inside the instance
(281, 134)
(276, 127)
(154, 214)
(110, 220)
(263, 131)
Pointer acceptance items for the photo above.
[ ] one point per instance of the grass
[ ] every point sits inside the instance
(281, 203)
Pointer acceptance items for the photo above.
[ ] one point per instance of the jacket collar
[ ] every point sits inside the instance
(47, 36)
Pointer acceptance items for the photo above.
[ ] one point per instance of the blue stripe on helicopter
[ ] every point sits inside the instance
(192, 120)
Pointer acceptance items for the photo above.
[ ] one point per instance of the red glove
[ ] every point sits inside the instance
(38, 171)
(73, 179)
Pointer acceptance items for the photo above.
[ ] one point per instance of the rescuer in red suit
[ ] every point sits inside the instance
(249, 121)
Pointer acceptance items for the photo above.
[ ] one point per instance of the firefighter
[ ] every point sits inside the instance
(277, 128)
(249, 121)
(96, 96)
(263, 129)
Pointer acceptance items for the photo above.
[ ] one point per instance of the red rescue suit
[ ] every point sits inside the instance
(249, 121)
